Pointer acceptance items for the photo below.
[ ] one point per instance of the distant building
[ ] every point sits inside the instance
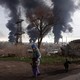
(52, 48)
(74, 47)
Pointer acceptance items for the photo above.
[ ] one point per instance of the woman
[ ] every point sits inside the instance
(37, 55)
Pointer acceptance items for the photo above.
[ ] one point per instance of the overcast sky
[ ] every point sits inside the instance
(66, 36)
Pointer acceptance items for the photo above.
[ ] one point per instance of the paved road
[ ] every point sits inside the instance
(73, 74)
(72, 77)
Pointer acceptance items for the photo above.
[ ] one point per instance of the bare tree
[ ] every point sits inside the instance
(41, 19)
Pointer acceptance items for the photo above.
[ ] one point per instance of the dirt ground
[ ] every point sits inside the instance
(11, 70)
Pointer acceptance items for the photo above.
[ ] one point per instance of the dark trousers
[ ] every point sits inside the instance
(66, 69)
(34, 69)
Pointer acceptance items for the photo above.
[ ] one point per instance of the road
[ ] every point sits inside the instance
(14, 70)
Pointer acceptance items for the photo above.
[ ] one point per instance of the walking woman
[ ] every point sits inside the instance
(36, 55)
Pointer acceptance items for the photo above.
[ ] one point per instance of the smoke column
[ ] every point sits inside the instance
(12, 6)
(62, 11)
(30, 4)
(33, 33)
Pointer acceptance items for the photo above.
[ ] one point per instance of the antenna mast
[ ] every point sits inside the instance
(19, 31)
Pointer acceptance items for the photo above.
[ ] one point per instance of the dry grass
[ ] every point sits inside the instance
(17, 50)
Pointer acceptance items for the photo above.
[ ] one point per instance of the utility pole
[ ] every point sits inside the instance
(19, 30)
(62, 41)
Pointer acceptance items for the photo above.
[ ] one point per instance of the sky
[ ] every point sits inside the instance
(50, 37)
(3, 20)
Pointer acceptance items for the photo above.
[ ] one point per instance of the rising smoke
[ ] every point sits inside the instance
(33, 33)
(12, 6)
(62, 11)
(30, 4)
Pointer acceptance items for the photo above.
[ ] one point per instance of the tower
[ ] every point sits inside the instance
(19, 30)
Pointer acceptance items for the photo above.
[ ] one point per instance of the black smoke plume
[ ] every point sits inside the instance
(30, 4)
(12, 6)
(62, 11)
(33, 33)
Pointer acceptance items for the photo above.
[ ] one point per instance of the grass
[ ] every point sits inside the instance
(23, 59)
(54, 59)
